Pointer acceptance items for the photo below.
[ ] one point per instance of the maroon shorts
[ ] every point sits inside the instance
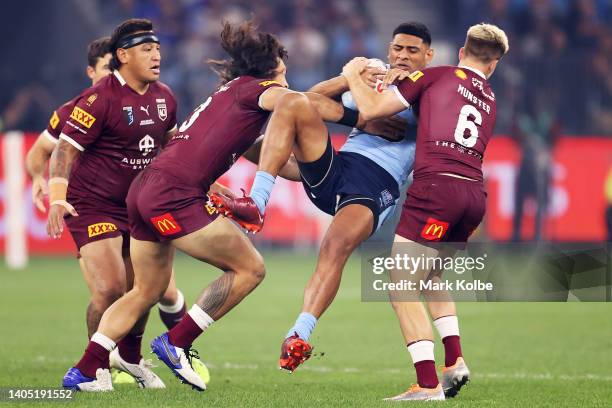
(160, 208)
(442, 209)
(97, 222)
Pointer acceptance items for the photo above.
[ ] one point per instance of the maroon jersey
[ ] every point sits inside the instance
(217, 132)
(456, 117)
(119, 132)
(58, 120)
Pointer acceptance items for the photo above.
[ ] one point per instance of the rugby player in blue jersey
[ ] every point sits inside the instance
(359, 185)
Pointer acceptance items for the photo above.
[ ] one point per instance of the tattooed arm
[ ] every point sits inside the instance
(62, 158)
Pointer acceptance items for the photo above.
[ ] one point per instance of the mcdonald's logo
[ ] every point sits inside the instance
(166, 224)
(434, 229)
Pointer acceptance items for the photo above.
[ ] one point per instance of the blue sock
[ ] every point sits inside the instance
(262, 188)
(304, 325)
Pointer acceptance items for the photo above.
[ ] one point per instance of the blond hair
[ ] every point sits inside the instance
(486, 42)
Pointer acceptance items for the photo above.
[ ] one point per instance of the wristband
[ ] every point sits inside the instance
(58, 187)
(350, 117)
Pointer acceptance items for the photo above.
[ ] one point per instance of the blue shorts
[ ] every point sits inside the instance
(338, 179)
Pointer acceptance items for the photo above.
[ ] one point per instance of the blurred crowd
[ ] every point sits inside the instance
(556, 76)
(319, 35)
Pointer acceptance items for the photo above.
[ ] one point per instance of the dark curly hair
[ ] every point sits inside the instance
(252, 52)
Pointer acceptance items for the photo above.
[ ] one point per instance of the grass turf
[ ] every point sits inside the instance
(520, 354)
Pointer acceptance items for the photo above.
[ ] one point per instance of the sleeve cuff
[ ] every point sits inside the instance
(72, 142)
(401, 97)
(50, 137)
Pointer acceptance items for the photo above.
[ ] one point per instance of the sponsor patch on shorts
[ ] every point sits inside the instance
(166, 224)
(100, 228)
(434, 229)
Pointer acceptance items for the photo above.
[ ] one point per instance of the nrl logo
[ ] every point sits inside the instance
(162, 111)
(129, 114)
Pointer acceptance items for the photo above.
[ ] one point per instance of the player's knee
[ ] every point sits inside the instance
(254, 270)
(295, 103)
(106, 294)
(338, 246)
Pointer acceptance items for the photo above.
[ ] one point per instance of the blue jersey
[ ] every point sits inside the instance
(397, 158)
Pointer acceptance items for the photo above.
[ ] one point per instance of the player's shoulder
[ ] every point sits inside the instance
(160, 88)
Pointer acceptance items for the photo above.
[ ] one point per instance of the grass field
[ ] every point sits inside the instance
(521, 354)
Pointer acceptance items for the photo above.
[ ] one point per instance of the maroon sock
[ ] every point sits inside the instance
(129, 348)
(426, 374)
(452, 350)
(172, 319)
(95, 357)
(184, 333)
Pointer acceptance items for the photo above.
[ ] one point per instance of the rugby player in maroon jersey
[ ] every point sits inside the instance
(168, 204)
(172, 304)
(446, 201)
(113, 131)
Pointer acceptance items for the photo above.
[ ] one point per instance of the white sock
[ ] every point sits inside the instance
(447, 326)
(422, 350)
(175, 308)
(102, 340)
(199, 316)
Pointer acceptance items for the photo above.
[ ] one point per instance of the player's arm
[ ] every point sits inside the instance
(290, 170)
(36, 164)
(82, 128)
(332, 88)
(372, 105)
(335, 87)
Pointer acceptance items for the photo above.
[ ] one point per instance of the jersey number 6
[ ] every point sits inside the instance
(464, 123)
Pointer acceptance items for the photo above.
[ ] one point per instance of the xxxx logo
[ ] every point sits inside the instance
(100, 228)
(434, 229)
(166, 224)
(82, 117)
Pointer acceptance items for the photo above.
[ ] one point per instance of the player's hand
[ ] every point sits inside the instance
(392, 129)
(371, 75)
(355, 67)
(394, 75)
(55, 220)
(39, 191)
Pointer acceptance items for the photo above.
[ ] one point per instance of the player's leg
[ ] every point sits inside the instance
(152, 265)
(127, 356)
(414, 322)
(223, 245)
(350, 226)
(294, 126)
(172, 306)
(443, 312)
(106, 274)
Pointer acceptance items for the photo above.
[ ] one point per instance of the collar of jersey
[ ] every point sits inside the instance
(474, 70)
(119, 77)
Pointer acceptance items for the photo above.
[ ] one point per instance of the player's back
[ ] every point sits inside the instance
(216, 133)
(456, 110)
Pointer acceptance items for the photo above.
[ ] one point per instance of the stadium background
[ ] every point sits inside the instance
(552, 153)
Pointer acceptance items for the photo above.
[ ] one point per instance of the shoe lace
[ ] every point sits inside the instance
(191, 353)
(414, 388)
